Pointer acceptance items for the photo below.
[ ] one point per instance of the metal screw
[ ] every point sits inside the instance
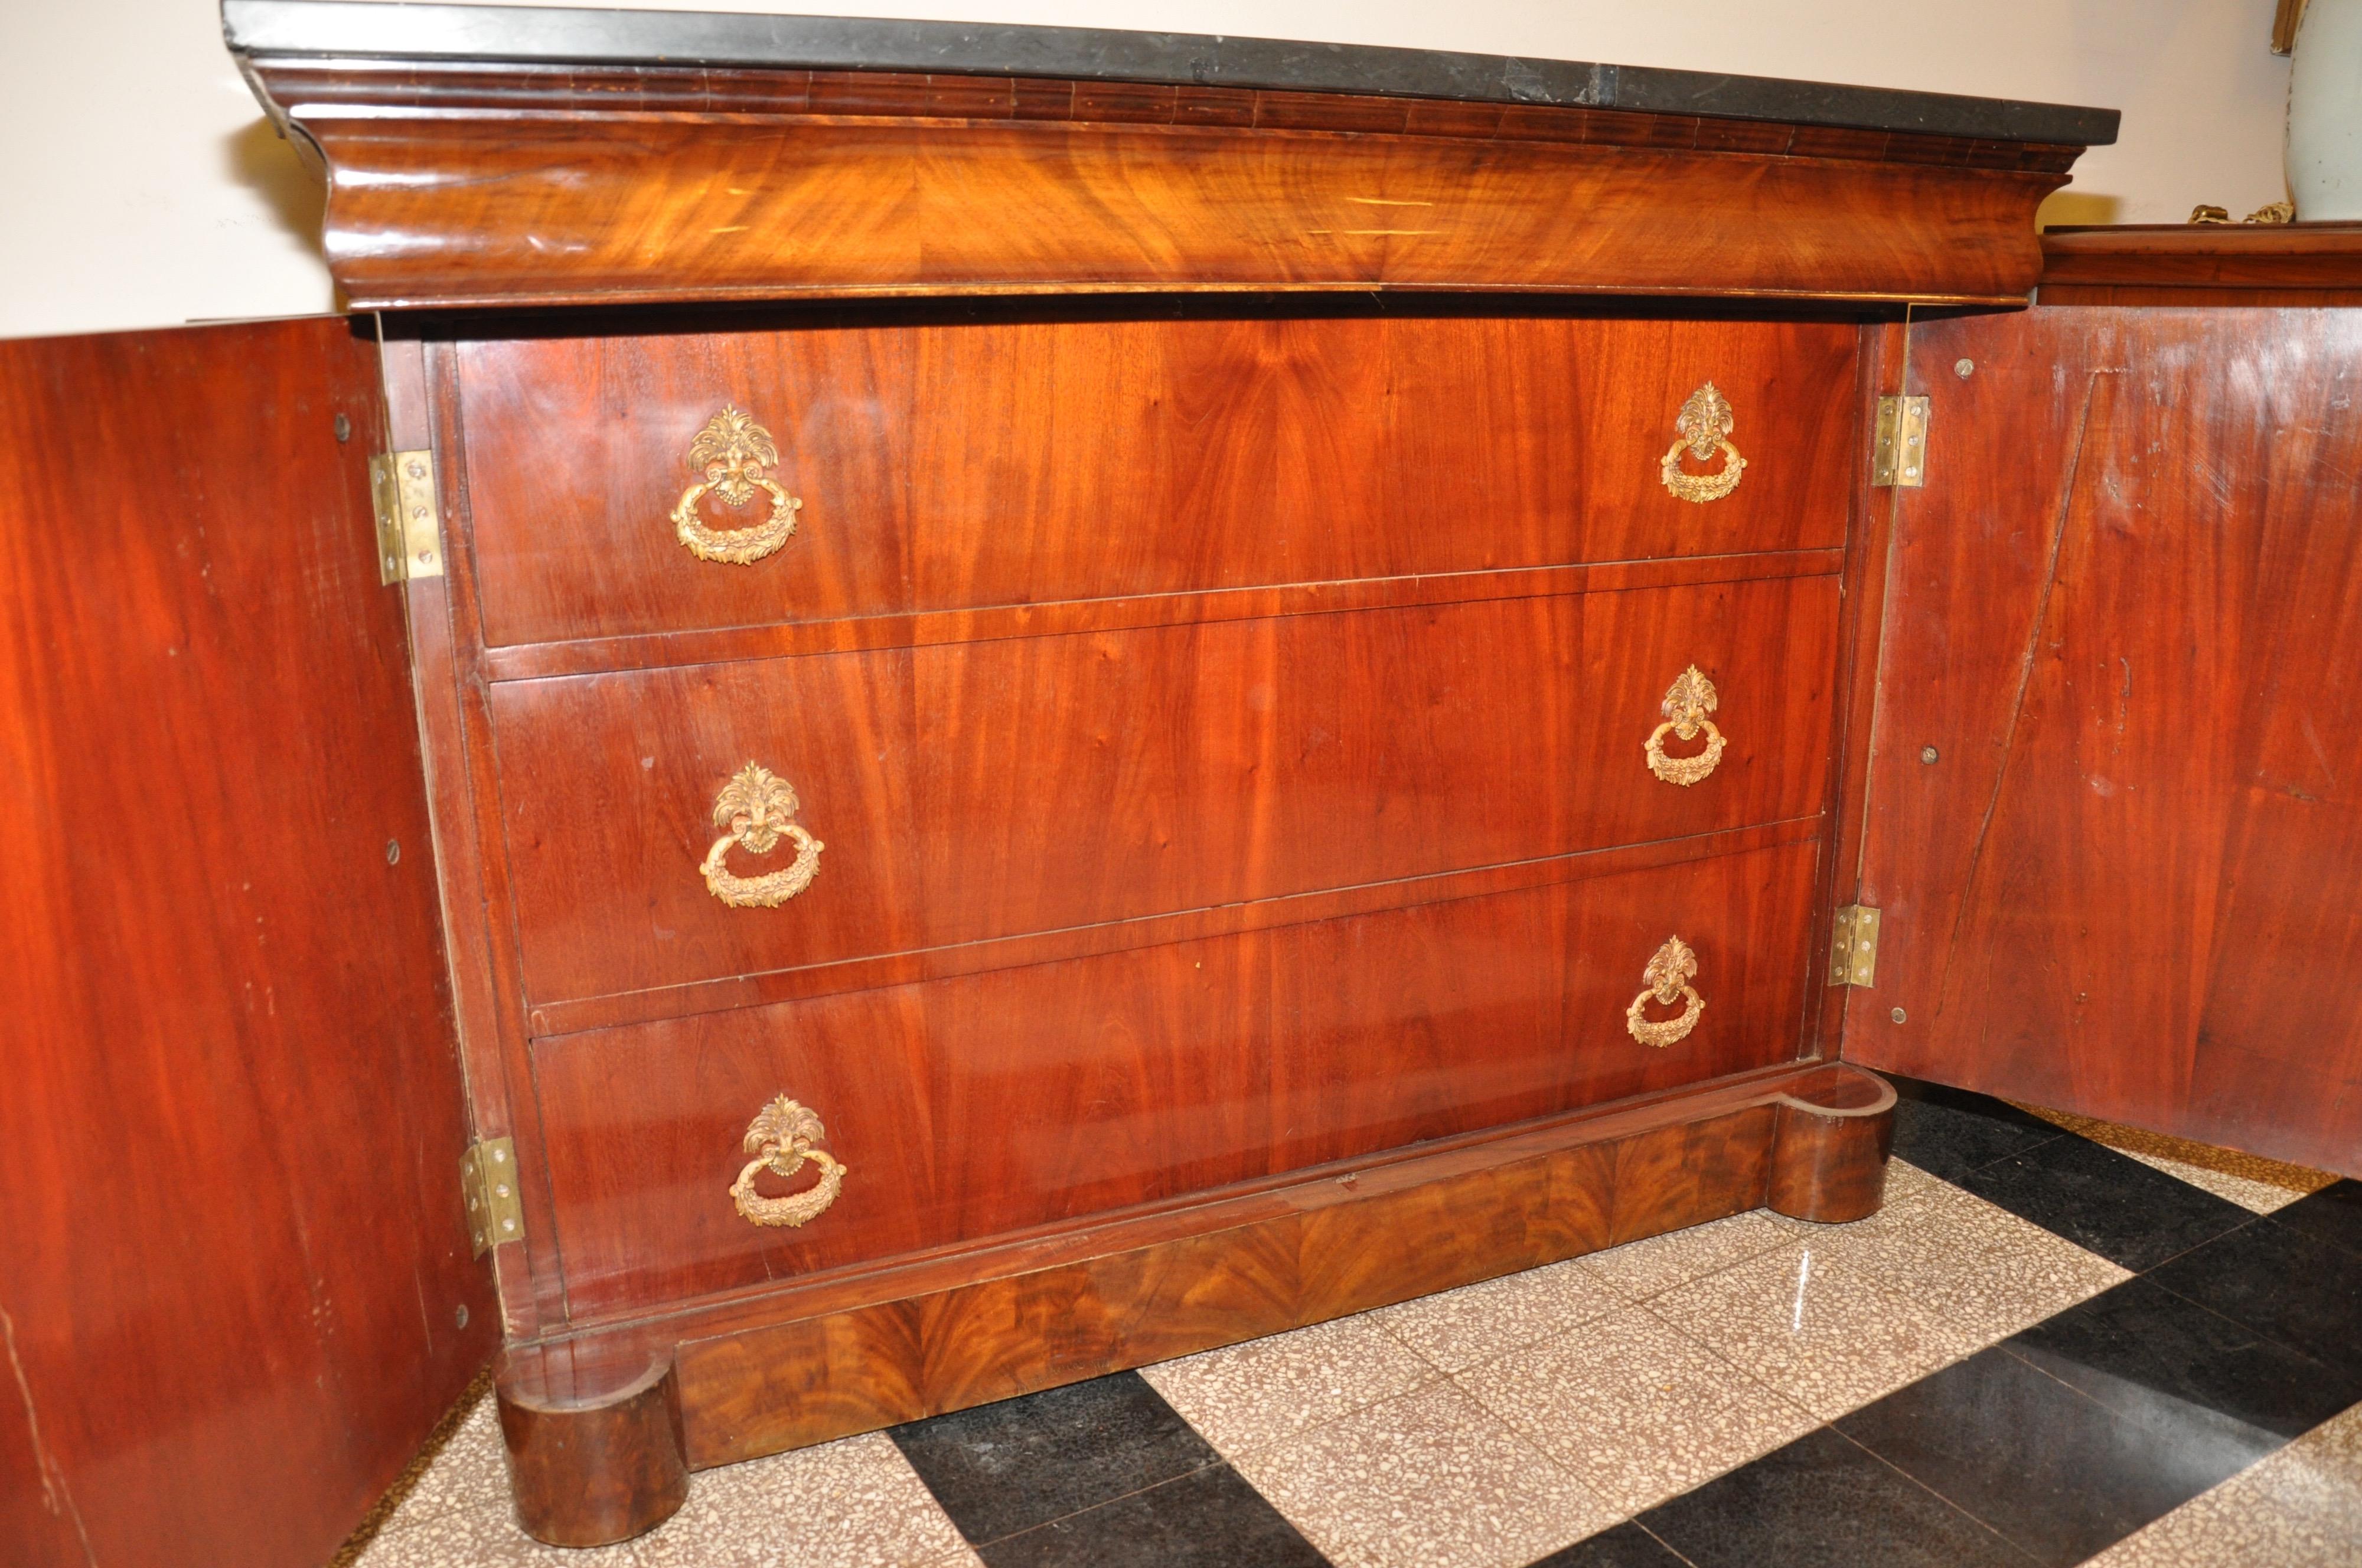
(1963, 368)
(461, 1315)
(392, 851)
(1896, 1015)
(343, 428)
(1926, 754)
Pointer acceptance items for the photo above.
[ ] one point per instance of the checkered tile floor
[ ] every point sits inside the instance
(2061, 1342)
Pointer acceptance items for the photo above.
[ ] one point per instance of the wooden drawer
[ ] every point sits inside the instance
(1049, 785)
(972, 1107)
(953, 465)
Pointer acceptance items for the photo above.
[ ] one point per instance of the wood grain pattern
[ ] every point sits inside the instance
(987, 1103)
(538, 661)
(802, 1365)
(2203, 264)
(770, 986)
(2129, 619)
(1039, 784)
(236, 1259)
(589, 1471)
(946, 466)
(1830, 1142)
(462, 187)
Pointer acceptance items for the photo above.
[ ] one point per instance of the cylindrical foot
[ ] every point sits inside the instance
(594, 1457)
(1829, 1144)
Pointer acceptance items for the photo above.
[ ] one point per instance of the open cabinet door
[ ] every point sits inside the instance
(2114, 819)
(235, 1283)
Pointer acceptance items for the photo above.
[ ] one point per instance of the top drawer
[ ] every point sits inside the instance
(949, 466)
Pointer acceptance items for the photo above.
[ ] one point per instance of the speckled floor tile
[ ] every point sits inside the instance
(2319, 1476)
(2250, 1181)
(2301, 1508)
(1477, 1322)
(1636, 1410)
(1978, 1265)
(1429, 1480)
(481, 1537)
(1639, 1270)
(1244, 1396)
(855, 1503)
(1823, 1335)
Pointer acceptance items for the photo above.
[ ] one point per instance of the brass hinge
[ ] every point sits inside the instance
(1899, 456)
(1853, 946)
(409, 535)
(487, 1181)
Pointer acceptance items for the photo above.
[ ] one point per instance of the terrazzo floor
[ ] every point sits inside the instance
(2059, 1342)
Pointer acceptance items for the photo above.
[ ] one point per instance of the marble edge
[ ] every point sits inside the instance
(369, 30)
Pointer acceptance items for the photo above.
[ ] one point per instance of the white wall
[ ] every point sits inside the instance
(140, 186)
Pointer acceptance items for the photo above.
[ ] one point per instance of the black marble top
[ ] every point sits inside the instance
(347, 29)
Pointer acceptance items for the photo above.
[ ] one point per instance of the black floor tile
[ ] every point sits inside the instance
(999, 1469)
(1626, 1546)
(2286, 1283)
(2134, 1215)
(2333, 1214)
(1208, 1518)
(1949, 1132)
(1821, 1502)
(2060, 1474)
(2155, 1356)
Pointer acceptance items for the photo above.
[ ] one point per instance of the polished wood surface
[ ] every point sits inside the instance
(987, 1103)
(2126, 614)
(486, 184)
(238, 1290)
(1039, 784)
(592, 1471)
(1830, 1142)
(946, 465)
(2203, 264)
(537, 661)
(802, 1366)
(439, 644)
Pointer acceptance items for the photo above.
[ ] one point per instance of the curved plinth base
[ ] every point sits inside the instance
(593, 1458)
(595, 1422)
(1829, 1146)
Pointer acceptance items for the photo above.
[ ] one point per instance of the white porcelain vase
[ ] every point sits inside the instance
(2325, 122)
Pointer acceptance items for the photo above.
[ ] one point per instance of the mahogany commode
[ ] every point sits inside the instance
(1129, 786)
(1082, 695)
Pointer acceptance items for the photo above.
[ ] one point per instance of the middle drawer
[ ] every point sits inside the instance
(972, 791)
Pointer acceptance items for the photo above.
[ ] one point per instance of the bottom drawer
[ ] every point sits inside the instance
(969, 1107)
